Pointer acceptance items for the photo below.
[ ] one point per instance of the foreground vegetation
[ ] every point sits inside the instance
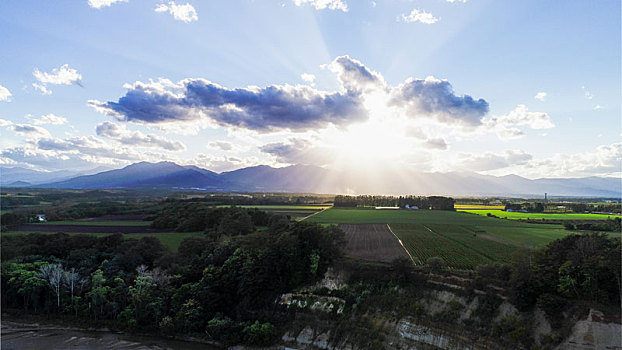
(225, 285)
(215, 271)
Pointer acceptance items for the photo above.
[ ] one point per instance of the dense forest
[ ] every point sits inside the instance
(226, 288)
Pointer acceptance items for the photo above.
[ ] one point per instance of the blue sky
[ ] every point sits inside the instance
(219, 84)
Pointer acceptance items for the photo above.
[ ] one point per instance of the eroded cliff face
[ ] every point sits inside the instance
(596, 332)
(328, 323)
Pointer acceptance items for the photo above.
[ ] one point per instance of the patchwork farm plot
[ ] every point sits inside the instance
(372, 242)
(512, 215)
(297, 212)
(462, 240)
(458, 246)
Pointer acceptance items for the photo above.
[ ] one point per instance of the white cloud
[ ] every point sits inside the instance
(417, 15)
(48, 119)
(59, 76)
(29, 130)
(121, 134)
(76, 152)
(4, 122)
(597, 107)
(324, 4)
(605, 160)
(185, 13)
(506, 125)
(540, 96)
(492, 161)
(42, 89)
(5, 94)
(103, 3)
(452, 1)
(308, 78)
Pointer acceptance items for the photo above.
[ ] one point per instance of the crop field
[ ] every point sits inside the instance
(373, 242)
(478, 207)
(461, 239)
(458, 246)
(507, 231)
(80, 228)
(540, 216)
(171, 240)
(96, 223)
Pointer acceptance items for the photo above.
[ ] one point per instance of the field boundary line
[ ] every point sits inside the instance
(402, 244)
(469, 248)
(317, 212)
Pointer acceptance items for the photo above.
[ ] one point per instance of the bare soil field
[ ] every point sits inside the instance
(372, 242)
(86, 229)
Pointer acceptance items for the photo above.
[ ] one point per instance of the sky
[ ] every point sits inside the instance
(530, 88)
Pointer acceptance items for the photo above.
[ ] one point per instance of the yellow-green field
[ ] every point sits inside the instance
(478, 206)
(540, 216)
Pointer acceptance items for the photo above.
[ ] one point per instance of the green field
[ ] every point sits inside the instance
(478, 206)
(97, 223)
(171, 240)
(372, 216)
(540, 216)
(457, 245)
(463, 240)
(282, 207)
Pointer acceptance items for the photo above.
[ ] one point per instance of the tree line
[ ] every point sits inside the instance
(421, 202)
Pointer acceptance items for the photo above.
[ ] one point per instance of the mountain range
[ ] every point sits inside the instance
(310, 179)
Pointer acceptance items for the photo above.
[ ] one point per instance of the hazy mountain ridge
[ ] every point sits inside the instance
(312, 179)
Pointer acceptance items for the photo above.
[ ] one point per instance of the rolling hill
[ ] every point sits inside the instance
(312, 179)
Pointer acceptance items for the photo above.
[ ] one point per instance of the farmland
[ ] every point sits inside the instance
(458, 246)
(86, 228)
(95, 223)
(462, 240)
(171, 240)
(297, 212)
(540, 216)
(372, 242)
(478, 207)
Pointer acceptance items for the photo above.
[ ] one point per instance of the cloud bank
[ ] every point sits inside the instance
(298, 108)
(271, 108)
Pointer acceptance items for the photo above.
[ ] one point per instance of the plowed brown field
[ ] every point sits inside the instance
(372, 242)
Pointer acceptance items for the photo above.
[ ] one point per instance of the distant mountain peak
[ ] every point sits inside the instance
(313, 179)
